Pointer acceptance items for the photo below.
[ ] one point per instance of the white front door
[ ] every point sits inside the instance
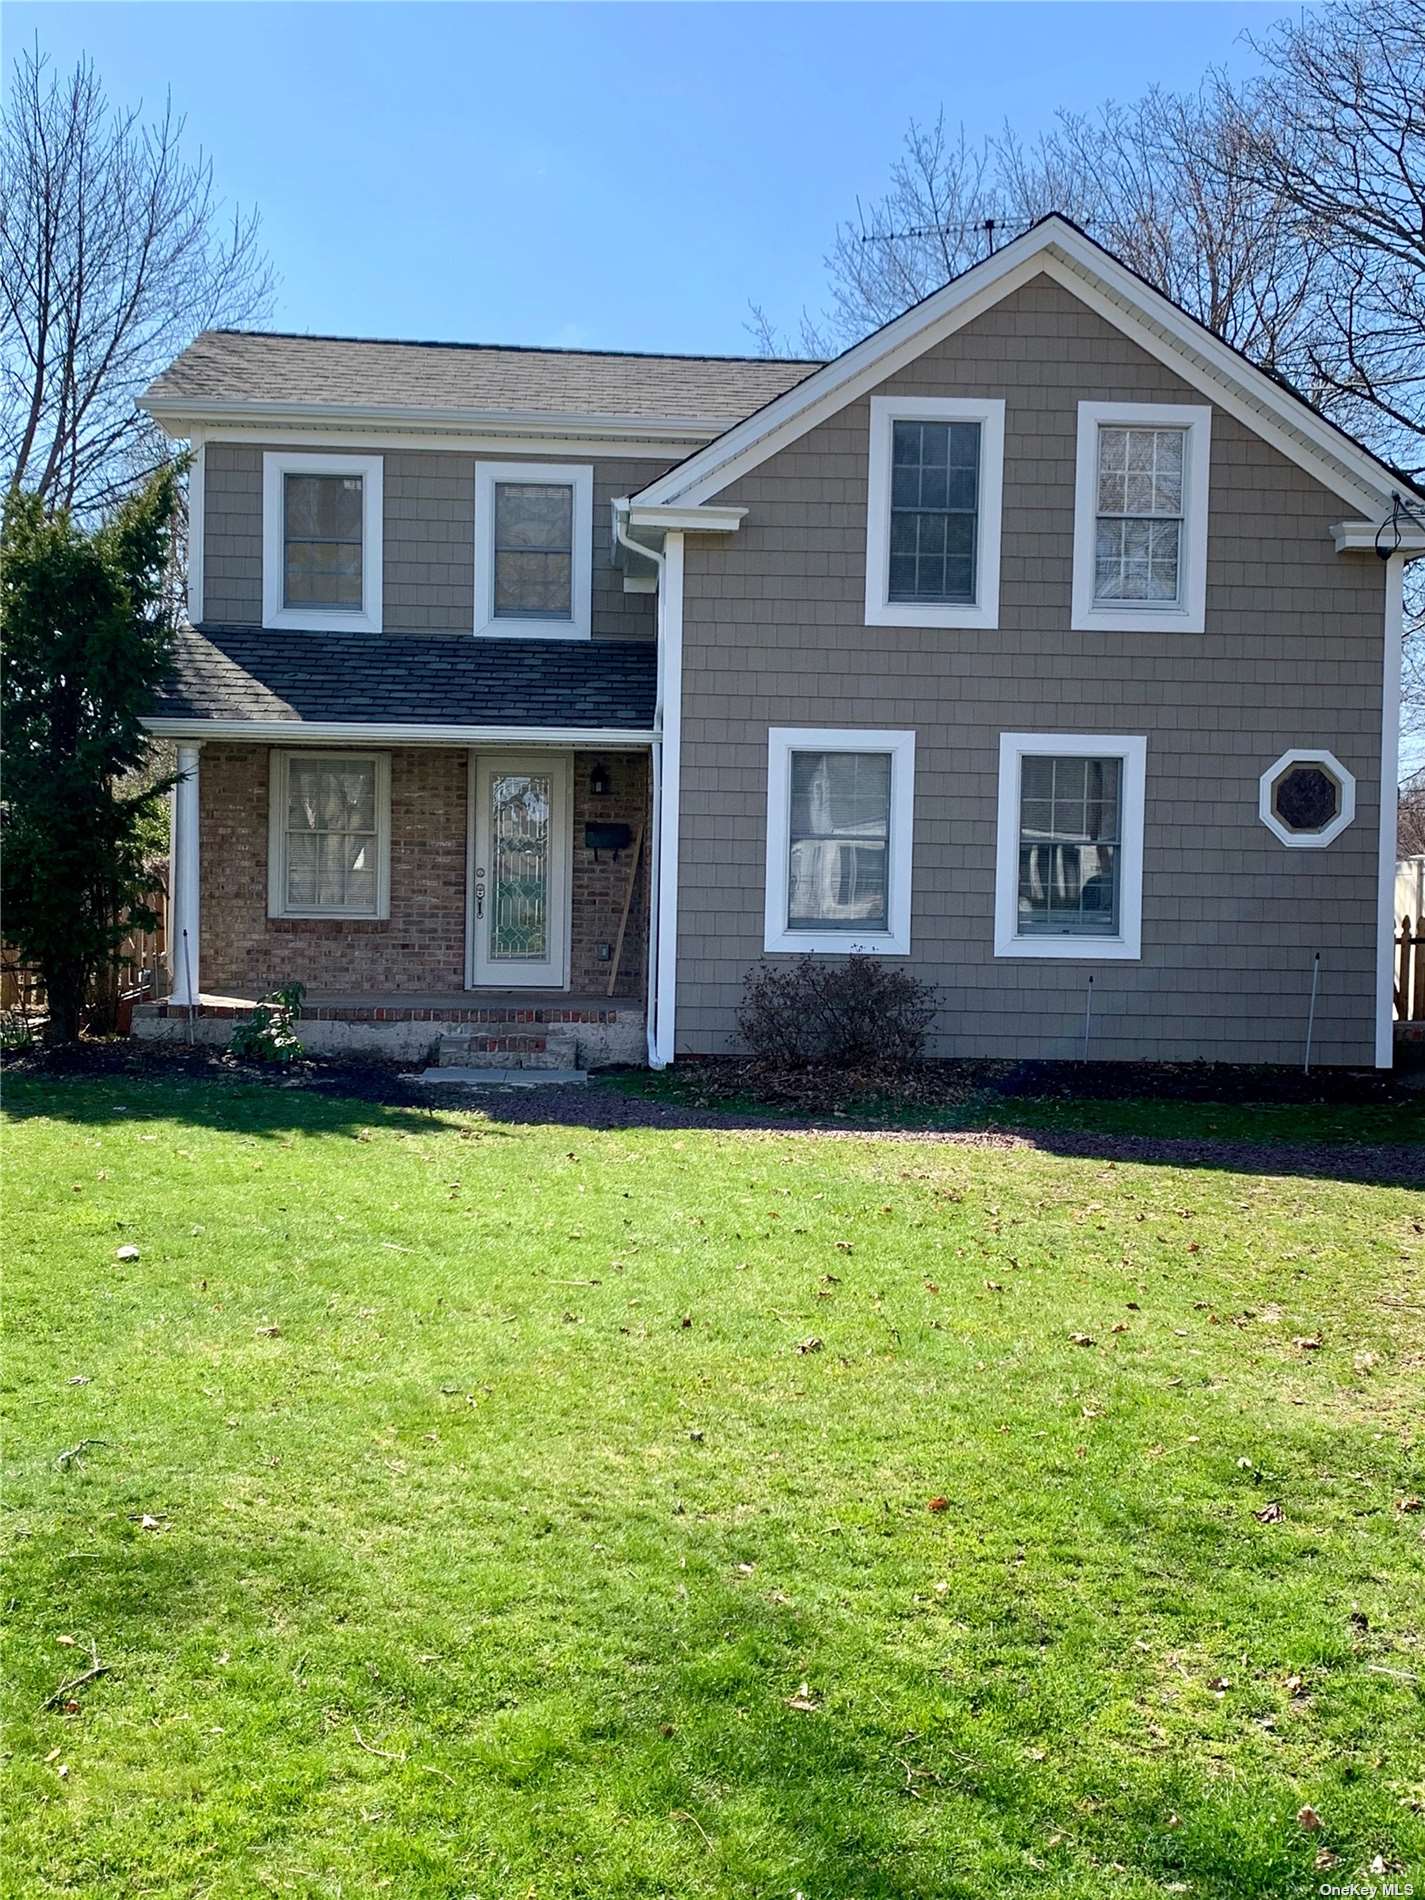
(519, 870)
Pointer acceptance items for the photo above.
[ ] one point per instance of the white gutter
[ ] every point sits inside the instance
(369, 732)
(174, 410)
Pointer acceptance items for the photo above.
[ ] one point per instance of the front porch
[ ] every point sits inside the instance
(514, 1029)
(501, 872)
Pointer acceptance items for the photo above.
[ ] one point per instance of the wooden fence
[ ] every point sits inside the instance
(1410, 970)
(138, 973)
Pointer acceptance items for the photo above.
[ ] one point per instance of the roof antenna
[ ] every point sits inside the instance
(989, 229)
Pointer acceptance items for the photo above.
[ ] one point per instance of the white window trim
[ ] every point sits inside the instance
(782, 741)
(1307, 840)
(278, 464)
(1014, 748)
(1188, 613)
(886, 411)
(277, 905)
(579, 477)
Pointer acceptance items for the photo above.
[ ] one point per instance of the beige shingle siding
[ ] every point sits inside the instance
(237, 366)
(774, 634)
(428, 541)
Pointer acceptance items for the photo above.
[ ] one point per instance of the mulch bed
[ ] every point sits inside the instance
(729, 1081)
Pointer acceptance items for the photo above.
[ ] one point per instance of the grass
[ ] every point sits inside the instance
(466, 1505)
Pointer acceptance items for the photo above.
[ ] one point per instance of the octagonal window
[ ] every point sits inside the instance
(1307, 798)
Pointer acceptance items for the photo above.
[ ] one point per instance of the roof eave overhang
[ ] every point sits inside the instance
(179, 416)
(675, 519)
(638, 560)
(1057, 249)
(388, 732)
(1370, 537)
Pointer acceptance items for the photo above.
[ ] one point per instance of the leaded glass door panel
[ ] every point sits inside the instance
(519, 871)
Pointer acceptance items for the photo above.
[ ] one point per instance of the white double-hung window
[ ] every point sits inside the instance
(935, 479)
(321, 541)
(534, 550)
(1069, 851)
(1140, 517)
(839, 813)
(329, 834)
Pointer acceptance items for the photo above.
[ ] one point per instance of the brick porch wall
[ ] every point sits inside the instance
(600, 889)
(421, 946)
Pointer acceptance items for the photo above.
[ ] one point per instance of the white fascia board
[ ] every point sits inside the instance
(300, 732)
(1133, 307)
(747, 444)
(177, 413)
(1209, 365)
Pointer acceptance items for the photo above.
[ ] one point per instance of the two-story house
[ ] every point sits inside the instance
(1040, 641)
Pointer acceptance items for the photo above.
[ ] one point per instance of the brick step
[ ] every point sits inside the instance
(487, 1047)
(537, 1016)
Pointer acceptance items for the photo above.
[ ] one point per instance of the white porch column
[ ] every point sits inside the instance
(184, 895)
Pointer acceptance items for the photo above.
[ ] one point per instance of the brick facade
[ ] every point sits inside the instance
(421, 946)
(600, 888)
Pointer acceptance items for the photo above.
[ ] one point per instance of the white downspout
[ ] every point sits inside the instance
(655, 850)
(184, 884)
(1389, 774)
(670, 641)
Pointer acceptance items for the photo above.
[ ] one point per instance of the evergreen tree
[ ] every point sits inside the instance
(87, 639)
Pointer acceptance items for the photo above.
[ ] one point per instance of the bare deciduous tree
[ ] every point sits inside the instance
(1154, 182)
(1410, 818)
(1338, 134)
(114, 252)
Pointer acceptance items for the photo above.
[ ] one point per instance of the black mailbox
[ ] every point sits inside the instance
(613, 838)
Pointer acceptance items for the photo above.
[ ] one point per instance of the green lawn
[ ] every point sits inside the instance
(498, 1510)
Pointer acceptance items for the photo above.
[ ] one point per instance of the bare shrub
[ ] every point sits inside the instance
(853, 1014)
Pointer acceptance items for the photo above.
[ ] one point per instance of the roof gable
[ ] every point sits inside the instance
(1058, 249)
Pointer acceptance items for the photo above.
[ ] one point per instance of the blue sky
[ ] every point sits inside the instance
(602, 175)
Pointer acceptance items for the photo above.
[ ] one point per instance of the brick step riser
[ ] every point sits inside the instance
(506, 1052)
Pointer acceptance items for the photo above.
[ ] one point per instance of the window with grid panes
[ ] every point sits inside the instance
(1070, 813)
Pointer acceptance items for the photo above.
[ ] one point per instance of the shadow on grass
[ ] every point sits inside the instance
(231, 1105)
(612, 1105)
(329, 1100)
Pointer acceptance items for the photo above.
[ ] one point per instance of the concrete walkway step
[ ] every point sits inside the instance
(501, 1078)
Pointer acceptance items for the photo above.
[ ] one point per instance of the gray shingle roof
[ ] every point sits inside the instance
(248, 673)
(257, 366)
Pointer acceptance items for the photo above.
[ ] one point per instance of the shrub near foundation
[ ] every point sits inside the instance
(854, 1014)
